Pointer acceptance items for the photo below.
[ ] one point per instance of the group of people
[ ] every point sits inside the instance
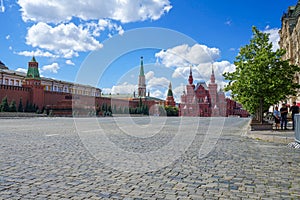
(280, 116)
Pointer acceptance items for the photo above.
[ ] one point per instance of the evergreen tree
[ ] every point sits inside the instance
(13, 106)
(27, 106)
(261, 78)
(20, 107)
(114, 110)
(4, 105)
(120, 110)
(126, 110)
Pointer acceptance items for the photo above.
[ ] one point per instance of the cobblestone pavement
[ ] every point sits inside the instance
(55, 158)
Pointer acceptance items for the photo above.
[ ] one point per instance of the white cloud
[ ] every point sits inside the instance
(7, 37)
(65, 39)
(37, 53)
(177, 92)
(184, 55)
(106, 90)
(158, 94)
(57, 11)
(124, 88)
(21, 70)
(69, 62)
(160, 82)
(149, 75)
(52, 68)
(156, 83)
(273, 37)
(103, 24)
(2, 6)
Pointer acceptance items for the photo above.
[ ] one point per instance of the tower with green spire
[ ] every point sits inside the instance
(170, 99)
(33, 81)
(142, 81)
(33, 70)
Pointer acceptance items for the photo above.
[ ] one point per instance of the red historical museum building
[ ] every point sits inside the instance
(207, 101)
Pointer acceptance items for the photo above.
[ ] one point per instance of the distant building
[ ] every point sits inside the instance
(290, 39)
(63, 98)
(32, 89)
(206, 101)
(200, 100)
(153, 104)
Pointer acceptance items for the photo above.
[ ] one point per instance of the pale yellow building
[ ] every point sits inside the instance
(290, 40)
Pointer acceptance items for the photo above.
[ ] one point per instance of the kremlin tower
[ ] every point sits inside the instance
(33, 81)
(170, 99)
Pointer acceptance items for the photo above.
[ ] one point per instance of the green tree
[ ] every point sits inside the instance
(4, 105)
(171, 111)
(13, 106)
(20, 107)
(262, 78)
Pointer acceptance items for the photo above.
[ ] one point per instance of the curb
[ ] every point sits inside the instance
(283, 137)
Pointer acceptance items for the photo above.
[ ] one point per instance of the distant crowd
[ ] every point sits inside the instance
(281, 116)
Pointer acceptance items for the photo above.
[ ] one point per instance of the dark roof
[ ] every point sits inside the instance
(292, 15)
(2, 65)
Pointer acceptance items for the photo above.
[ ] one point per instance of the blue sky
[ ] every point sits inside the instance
(63, 35)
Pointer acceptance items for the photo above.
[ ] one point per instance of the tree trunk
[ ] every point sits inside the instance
(261, 112)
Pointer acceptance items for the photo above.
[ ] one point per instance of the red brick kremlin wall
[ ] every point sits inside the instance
(15, 93)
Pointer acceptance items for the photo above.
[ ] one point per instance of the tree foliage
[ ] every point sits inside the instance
(4, 105)
(20, 107)
(262, 78)
(171, 111)
(12, 106)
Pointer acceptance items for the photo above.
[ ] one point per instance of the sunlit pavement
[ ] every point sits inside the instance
(171, 158)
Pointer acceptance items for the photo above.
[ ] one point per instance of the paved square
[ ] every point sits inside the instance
(142, 158)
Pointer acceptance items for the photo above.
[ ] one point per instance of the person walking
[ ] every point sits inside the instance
(276, 115)
(283, 113)
(295, 110)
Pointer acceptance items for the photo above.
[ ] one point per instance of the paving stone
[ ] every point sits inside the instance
(62, 167)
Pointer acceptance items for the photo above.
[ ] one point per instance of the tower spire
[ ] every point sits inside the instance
(212, 77)
(191, 76)
(170, 92)
(142, 81)
(142, 73)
